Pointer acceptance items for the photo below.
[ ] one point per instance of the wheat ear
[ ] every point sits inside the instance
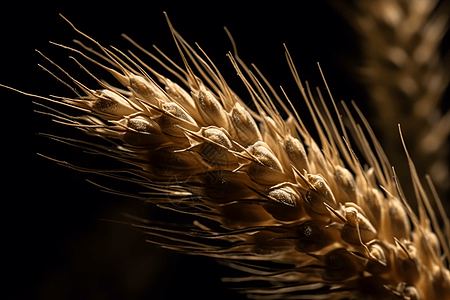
(330, 228)
(406, 76)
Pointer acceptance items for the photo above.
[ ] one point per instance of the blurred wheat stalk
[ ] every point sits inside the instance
(328, 227)
(406, 76)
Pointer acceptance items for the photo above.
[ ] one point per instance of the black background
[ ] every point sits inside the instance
(54, 243)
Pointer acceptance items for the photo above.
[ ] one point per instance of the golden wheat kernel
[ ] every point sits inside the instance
(142, 124)
(315, 201)
(111, 103)
(345, 182)
(397, 216)
(286, 205)
(179, 95)
(218, 136)
(285, 195)
(296, 153)
(265, 156)
(174, 119)
(318, 193)
(433, 242)
(373, 203)
(357, 228)
(216, 152)
(146, 90)
(378, 262)
(265, 168)
(247, 132)
(143, 131)
(211, 110)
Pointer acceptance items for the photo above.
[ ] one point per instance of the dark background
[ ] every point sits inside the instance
(54, 242)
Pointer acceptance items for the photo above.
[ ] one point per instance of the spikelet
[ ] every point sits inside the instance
(330, 228)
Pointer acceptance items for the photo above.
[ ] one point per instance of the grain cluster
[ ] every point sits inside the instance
(330, 226)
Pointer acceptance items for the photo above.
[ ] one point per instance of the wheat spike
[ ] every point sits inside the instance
(406, 76)
(331, 228)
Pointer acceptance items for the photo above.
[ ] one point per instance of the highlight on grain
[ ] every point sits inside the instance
(330, 227)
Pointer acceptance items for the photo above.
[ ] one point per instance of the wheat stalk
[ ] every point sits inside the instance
(333, 229)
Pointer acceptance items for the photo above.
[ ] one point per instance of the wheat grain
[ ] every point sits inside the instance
(278, 196)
